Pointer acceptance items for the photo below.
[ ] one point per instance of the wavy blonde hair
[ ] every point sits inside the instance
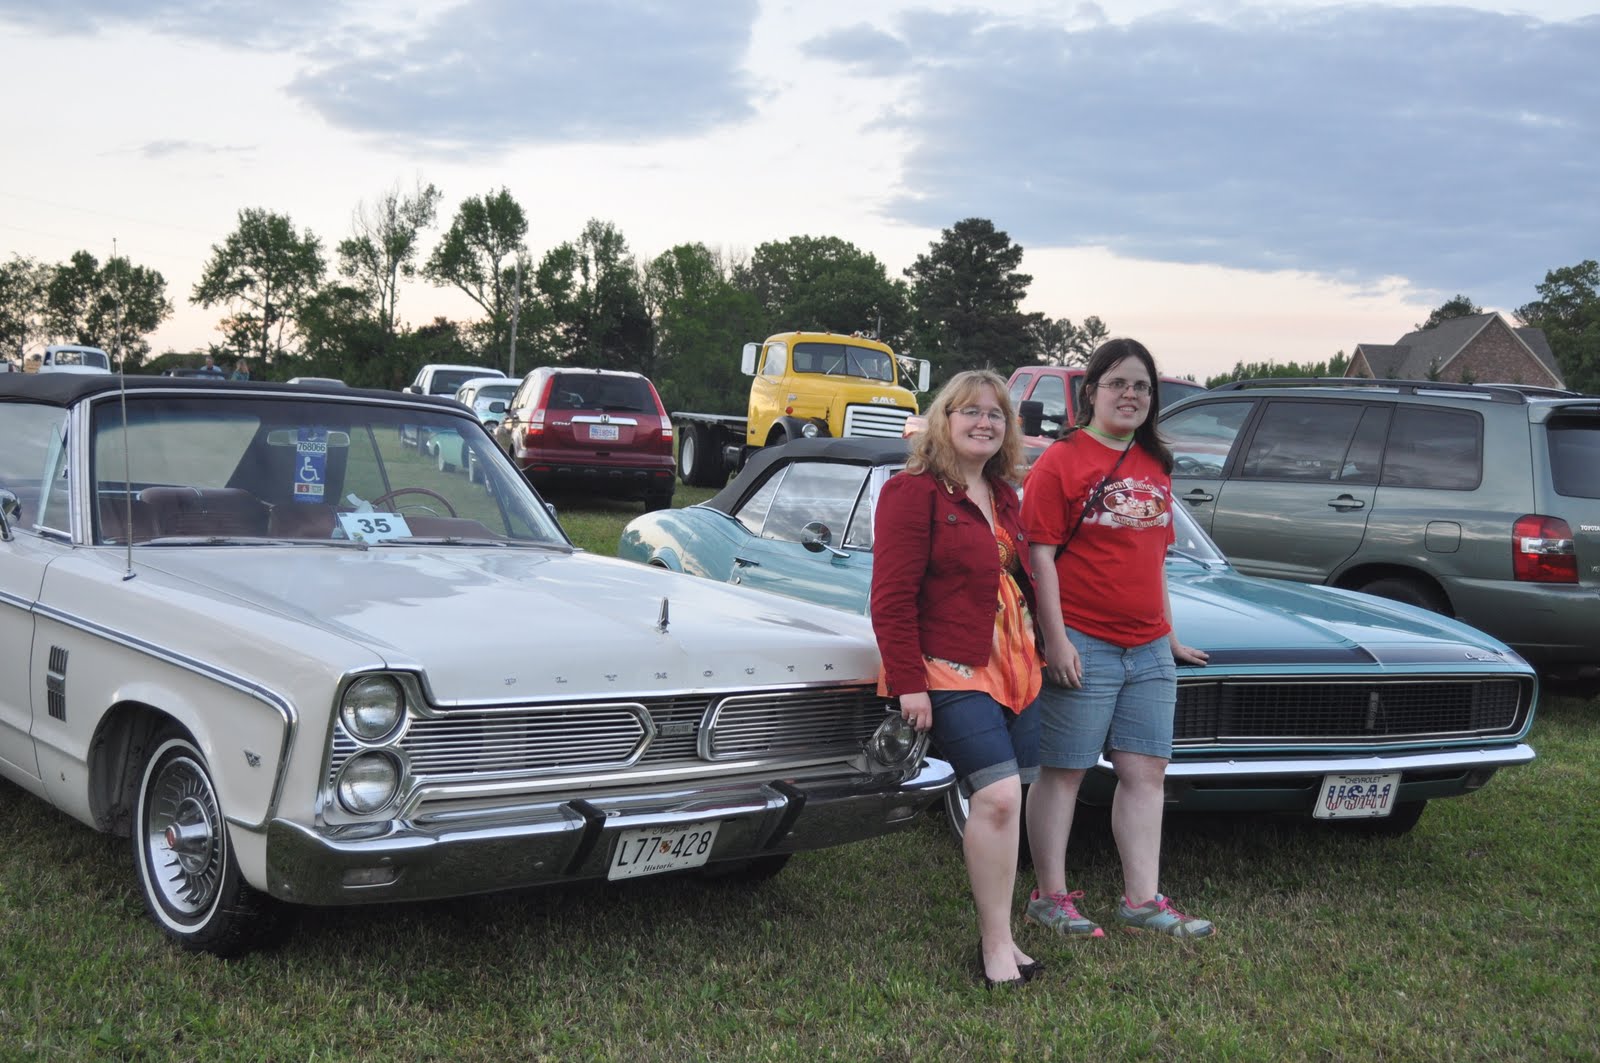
(932, 449)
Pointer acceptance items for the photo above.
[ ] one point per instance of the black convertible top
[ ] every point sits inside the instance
(64, 389)
(856, 451)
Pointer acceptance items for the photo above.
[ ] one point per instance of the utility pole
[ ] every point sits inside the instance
(516, 312)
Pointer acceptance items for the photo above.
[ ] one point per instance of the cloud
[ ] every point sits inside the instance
(1457, 148)
(281, 24)
(499, 73)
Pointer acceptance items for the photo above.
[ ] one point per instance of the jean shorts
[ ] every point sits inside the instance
(1126, 703)
(983, 740)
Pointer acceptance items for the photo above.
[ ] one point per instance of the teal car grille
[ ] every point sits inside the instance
(1321, 711)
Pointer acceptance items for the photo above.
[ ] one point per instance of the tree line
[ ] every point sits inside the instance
(286, 308)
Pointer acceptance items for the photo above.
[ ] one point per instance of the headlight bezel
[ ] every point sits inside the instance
(392, 786)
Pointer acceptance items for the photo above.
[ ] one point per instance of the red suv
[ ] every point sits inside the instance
(599, 429)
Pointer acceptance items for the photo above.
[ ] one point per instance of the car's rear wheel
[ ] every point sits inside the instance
(1399, 821)
(1409, 591)
(184, 860)
(658, 500)
(444, 466)
(958, 807)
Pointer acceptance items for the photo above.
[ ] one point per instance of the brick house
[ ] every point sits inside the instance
(1481, 348)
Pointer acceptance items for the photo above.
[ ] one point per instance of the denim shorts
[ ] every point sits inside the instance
(1126, 703)
(983, 740)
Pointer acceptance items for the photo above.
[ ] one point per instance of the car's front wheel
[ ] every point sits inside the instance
(184, 860)
(1410, 591)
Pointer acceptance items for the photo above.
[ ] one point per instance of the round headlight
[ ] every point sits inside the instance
(893, 743)
(809, 430)
(372, 707)
(367, 782)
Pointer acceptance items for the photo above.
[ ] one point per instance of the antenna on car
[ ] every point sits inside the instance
(127, 457)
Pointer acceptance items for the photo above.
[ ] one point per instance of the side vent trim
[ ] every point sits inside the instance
(55, 683)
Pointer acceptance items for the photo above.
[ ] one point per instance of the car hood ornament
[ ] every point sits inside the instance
(661, 621)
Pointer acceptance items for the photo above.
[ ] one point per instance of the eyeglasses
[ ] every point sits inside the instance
(1120, 385)
(992, 415)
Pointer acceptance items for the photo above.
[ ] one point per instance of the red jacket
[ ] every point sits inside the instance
(936, 575)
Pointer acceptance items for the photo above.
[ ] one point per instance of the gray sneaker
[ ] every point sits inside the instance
(1160, 916)
(1058, 912)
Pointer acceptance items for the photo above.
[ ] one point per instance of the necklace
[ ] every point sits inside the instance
(1107, 436)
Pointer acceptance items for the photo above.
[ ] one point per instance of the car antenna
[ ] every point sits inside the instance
(127, 458)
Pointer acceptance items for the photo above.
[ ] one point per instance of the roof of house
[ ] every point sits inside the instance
(1416, 352)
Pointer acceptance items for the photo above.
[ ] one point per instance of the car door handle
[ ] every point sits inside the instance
(745, 562)
(1344, 502)
(1197, 496)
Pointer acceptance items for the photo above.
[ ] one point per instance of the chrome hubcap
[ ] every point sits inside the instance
(183, 837)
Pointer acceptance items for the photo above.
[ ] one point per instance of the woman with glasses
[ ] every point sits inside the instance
(951, 611)
(1098, 516)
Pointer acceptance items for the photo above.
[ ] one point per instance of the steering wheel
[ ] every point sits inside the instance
(1189, 465)
(445, 502)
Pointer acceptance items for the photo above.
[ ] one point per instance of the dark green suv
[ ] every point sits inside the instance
(1481, 501)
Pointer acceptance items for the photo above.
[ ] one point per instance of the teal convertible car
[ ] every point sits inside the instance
(1317, 702)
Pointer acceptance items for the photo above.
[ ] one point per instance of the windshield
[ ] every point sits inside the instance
(225, 467)
(843, 359)
(449, 381)
(493, 393)
(1191, 540)
(93, 359)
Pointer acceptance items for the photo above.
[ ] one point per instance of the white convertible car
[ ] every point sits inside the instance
(298, 663)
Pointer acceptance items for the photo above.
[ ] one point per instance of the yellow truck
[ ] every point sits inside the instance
(803, 384)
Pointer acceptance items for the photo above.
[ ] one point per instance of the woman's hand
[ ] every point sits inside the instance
(1187, 654)
(917, 710)
(1062, 665)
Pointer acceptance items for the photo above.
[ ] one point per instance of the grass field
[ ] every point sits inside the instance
(1474, 937)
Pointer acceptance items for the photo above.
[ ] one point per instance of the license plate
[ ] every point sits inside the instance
(603, 431)
(656, 849)
(1357, 796)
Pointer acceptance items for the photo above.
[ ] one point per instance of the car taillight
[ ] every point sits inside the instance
(1541, 550)
(535, 428)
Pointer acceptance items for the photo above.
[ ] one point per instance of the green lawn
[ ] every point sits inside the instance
(1472, 938)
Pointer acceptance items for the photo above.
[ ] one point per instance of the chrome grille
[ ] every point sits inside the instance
(578, 738)
(1358, 711)
(887, 421)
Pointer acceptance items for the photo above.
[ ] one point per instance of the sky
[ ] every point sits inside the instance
(1223, 181)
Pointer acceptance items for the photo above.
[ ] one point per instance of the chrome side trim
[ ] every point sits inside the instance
(1503, 757)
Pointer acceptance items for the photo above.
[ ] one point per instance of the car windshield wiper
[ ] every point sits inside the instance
(1202, 562)
(463, 540)
(243, 540)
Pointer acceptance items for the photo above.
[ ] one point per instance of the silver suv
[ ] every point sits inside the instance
(1480, 501)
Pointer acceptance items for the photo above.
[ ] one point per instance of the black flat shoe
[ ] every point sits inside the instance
(1025, 974)
(1032, 970)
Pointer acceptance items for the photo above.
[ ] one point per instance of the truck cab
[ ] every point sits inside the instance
(827, 384)
(71, 358)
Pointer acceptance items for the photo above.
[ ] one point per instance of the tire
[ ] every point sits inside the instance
(1409, 591)
(749, 872)
(658, 500)
(444, 466)
(192, 886)
(1398, 822)
(956, 809)
(700, 460)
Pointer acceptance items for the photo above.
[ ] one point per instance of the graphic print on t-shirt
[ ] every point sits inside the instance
(1132, 503)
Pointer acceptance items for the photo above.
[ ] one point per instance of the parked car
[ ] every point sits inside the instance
(485, 396)
(601, 430)
(1051, 394)
(72, 358)
(1476, 501)
(243, 626)
(439, 378)
(324, 381)
(1317, 702)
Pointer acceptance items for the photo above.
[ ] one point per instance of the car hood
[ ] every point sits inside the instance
(503, 624)
(1243, 620)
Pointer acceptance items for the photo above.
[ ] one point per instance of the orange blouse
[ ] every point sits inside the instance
(1014, 673)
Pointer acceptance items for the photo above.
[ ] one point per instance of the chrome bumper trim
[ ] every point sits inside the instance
(543, 842)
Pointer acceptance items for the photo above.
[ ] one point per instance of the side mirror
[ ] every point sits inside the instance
(411, 389)
(10, 513)
(747, 361)
(1032, 413)
(816, 536)
(497, 406)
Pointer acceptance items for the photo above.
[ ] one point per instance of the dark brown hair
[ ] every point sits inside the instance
(1108, 354)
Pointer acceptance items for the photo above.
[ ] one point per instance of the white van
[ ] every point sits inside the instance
(70, 358)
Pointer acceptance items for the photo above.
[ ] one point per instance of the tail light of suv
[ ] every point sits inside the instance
(1542, 550)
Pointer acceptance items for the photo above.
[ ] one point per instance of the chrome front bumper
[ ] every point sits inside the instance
(452, 854)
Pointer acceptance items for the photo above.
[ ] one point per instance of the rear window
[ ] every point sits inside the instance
(593, 391)
(1575, 457)
(448, 382)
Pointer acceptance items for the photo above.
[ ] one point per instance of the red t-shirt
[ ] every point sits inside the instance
(1111, 575)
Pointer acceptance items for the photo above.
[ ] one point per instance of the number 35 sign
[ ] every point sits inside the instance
(373, 527)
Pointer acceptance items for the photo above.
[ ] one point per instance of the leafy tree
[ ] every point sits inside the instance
(611, 329)
(1060, 342)
(701, 320)
(1449, 310)
(382, 249)
(1333, 367)
(823, 283)
(1568, 311)
(478, 254)
(266, 274)
(112, 307)
(22, 303)
(967, 294)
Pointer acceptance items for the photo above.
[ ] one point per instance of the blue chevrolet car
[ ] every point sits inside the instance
(1317, 702)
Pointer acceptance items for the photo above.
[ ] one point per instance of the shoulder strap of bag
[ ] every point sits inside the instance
(1094, 497)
